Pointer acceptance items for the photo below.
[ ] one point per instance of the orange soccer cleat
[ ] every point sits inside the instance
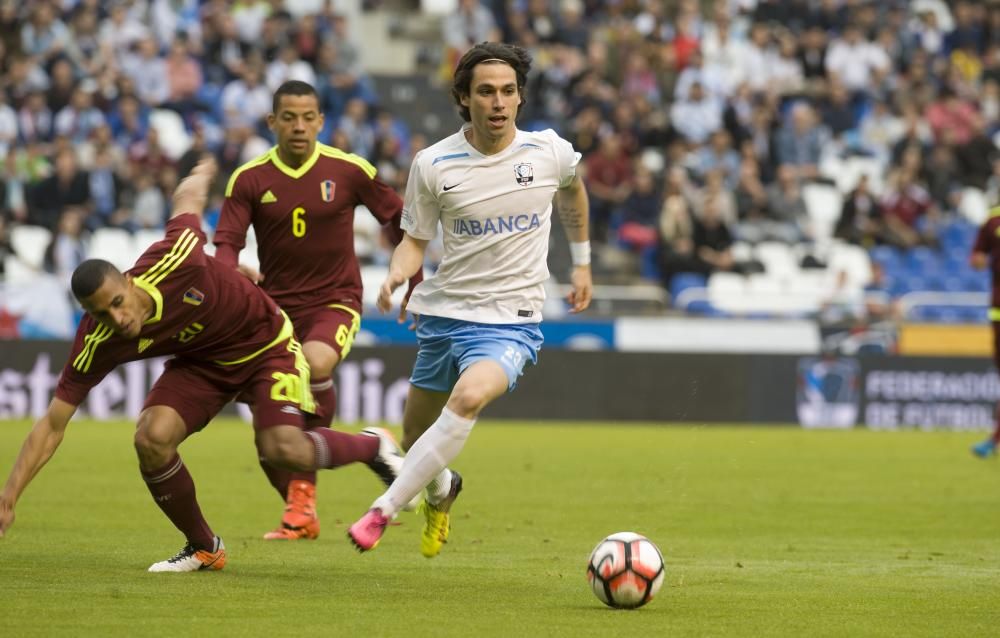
(299, 520)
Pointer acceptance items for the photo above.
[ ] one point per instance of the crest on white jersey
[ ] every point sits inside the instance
(524, 174)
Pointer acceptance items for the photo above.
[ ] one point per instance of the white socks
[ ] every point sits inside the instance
(425, 460)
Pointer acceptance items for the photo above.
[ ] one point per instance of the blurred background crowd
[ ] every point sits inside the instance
(830, 156)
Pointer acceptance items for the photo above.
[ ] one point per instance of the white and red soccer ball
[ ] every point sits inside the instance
(625, 570)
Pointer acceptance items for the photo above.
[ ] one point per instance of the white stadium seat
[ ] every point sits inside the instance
(778, 258)
(823, 203)
(30, 242)
(174, 138)
(114, 245)
(852, 259)
(973, 206)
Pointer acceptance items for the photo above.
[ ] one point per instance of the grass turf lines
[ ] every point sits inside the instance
(765, 532)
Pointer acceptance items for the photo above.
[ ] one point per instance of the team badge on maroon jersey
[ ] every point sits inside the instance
(194, 296)
(328, 188)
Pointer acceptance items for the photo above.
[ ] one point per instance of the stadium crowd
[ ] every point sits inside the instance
(700, 122)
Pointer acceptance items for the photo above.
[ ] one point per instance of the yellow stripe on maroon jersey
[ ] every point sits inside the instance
(90, 343)
(257, 161)
(169, 262)
(357, 160)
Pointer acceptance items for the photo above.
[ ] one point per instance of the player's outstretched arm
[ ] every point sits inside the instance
(191, 195)
(574, 213)
(407, 259)
(37, 449)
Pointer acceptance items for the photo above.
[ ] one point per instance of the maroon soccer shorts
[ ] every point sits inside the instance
(335, 325)
(275, 384)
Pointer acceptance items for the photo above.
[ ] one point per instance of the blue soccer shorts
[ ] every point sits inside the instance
(449, 346)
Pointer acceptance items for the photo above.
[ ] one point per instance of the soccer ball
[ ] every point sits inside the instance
(625, 570)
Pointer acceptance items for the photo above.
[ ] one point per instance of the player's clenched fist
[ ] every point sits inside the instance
(191, 195)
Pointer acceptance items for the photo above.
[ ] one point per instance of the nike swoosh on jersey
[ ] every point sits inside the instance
(448, 188)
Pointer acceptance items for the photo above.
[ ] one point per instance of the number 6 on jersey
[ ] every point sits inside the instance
(299, 222)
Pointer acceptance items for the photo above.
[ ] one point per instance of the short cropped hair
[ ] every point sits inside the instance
(90, 275)
(515, 56)
(292, 87)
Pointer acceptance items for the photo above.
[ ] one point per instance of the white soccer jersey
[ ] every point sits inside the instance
(495, 212)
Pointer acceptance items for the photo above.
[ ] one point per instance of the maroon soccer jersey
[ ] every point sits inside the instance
(304, 221)
(987, 241)
(205, 311)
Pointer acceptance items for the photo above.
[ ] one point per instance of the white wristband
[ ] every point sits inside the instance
(580, 252)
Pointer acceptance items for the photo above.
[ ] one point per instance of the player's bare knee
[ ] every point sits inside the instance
(468, 401)
(153, 444)
(285, 449)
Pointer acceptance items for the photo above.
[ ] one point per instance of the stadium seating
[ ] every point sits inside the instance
(30, 243)
(114, 245)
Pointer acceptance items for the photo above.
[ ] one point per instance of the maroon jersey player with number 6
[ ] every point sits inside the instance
(228, 339)
(300, 198)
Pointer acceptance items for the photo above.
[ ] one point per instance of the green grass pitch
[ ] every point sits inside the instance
(766, 532)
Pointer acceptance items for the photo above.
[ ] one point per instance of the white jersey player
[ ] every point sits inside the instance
(490, 188)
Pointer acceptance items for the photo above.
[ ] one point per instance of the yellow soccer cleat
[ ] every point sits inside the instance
(437, 519)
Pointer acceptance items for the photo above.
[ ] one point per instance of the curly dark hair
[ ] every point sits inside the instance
(515, 56)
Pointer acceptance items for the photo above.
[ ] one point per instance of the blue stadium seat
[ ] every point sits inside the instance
(955, 237)
(974, 314)
(915, 283)
(887, 257)
(704, 308)
(976, 281)
(921, 260)
(684, 280)
(952, 283)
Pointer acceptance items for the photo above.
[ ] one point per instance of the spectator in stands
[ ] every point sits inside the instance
(856, 62)
(789, 219)
(713, 241)
(676, 227)
(572, 29)
(471, 23)
(941, 175)
(8, 125)
(67, 187)
(609, 183)
(45, 35)
(34, 120)
(975, 157)
(951, 118)
(68, 247)
(356, 125)
(640, 214)
(786, 75)
(718, 155)
(723, 49)
(812, 57)
(106, 192)
(184, 79)
(696, 117)
(129, 121)
(246, 101)
(78, 119)
(84, 47)
(879, 130)
(289, 66)
(801, 140)
(150, 206)
(909, 213)
(62, 82)
(148, 71)
(751, 202)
